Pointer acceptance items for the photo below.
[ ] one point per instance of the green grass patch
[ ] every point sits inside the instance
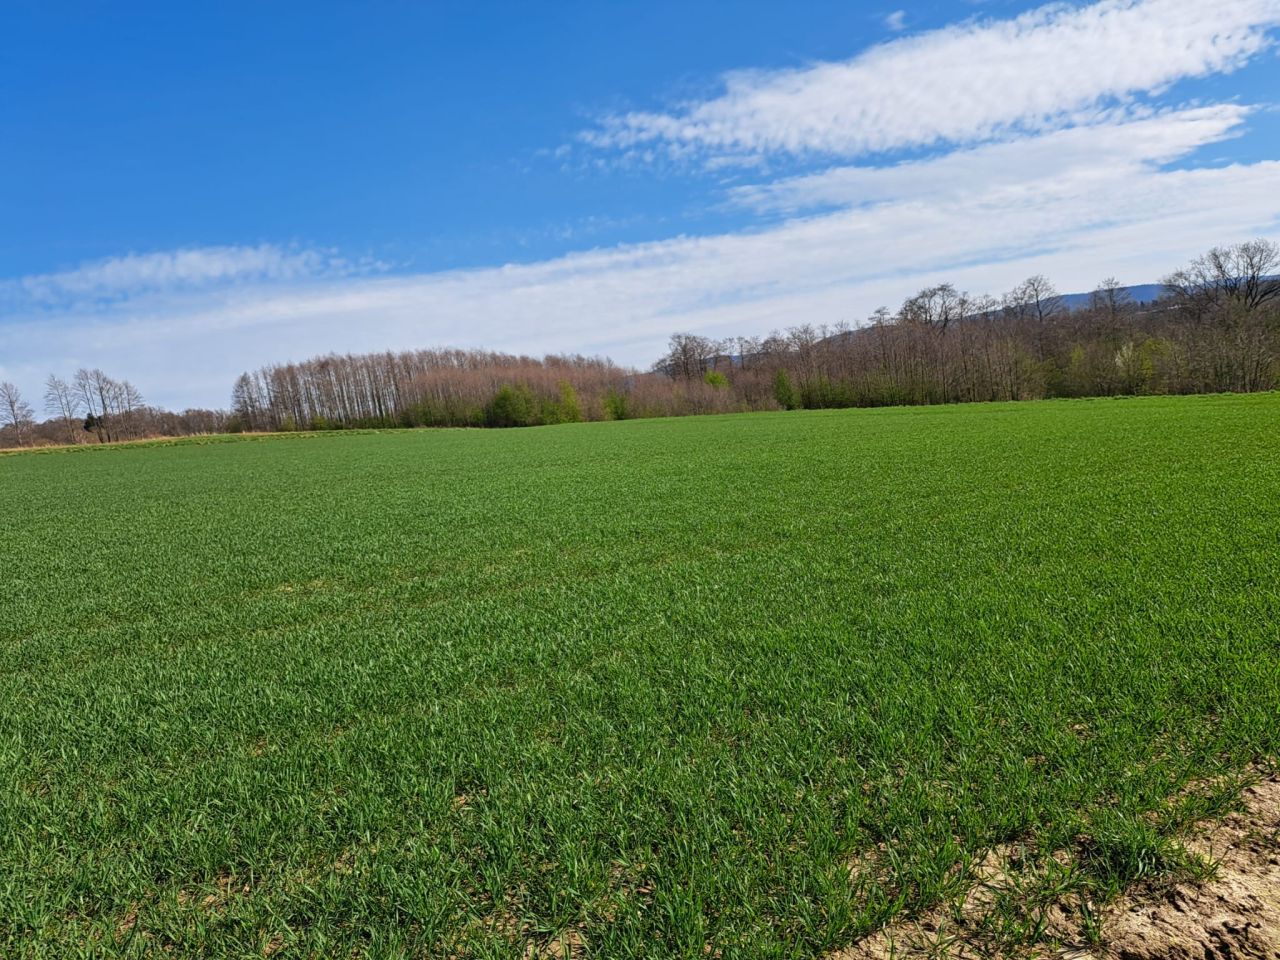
(744, 686)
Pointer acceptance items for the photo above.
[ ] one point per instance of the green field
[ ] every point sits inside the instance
(742, 686)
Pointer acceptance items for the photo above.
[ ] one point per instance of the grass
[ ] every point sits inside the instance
(741, 686)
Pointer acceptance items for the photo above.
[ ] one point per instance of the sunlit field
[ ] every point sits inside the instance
(740, 686)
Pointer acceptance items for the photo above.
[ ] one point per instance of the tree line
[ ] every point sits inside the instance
(456, 388)
(92, 407)
(1215, 328)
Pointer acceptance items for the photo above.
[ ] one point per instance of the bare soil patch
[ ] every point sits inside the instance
(1234, 915)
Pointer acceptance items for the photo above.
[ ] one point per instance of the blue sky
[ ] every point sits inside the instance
(189, 192)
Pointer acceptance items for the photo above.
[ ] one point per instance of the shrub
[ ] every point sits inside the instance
(512, 407)
(570, 411)
(784, 392)
(615, 406)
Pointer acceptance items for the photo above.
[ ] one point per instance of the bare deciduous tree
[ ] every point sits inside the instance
(15, 412)
(62, 403)
(935, 308)
(1041, 299)
(113, 408)
(1110, 301)
(689, 356)
(1244, 275)
(92, 388)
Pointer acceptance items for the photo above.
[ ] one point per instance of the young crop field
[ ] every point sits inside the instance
(741, 686)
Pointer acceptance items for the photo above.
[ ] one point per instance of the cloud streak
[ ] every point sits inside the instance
(959, 85)
(135, 274)
(1127, 144)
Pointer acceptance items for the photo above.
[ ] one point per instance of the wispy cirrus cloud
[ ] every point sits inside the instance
(135, 274)
(959, 85)
(1110, 146)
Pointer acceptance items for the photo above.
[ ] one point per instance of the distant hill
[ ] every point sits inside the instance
(1139, 293)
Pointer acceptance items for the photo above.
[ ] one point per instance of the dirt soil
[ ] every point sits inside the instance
(1234, 915)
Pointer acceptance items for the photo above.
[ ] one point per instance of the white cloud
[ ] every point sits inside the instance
(896, 21)
(961, 84)
(133, 273)
(1111, 146)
